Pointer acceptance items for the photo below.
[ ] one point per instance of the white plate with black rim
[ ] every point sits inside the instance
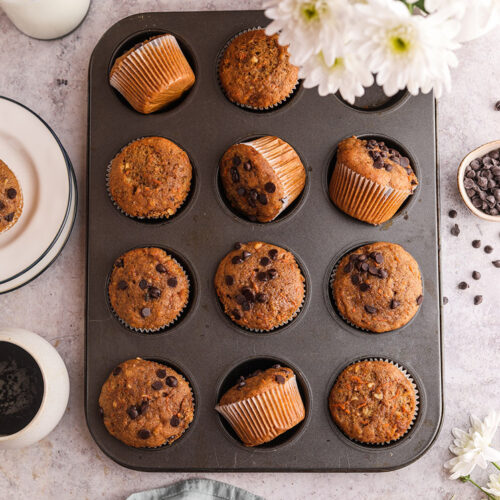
(34, 153)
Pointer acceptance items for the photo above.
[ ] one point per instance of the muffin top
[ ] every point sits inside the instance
(257, 383)
(255, 70)
(260, 285)
(146, 404)
(11, 198)
(262, 177)
(373, 402)
(148, 289)
(377, 162)
(150, 177)
(378, 287)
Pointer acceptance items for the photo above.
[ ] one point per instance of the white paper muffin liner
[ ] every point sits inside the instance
(261, 418)
(404, 371)
(363, 198)
(245, 106)
(150, 217)
(163, 327)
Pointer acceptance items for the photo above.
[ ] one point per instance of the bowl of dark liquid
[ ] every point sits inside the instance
(34, 388)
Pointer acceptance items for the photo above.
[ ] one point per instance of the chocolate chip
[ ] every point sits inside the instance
(11, 193)
(420, 299)
(247, 166)
(236, 260)
(488, 249)
(362, 257)
(143, 284)
(478, 299)
(378, 163)
(122, 285)
(261, 298)
(254, 194)
(229, 280)
(117, 370)
(370, 309)
(264, 261)
(171, 381)
(348, 268)
(252, 203)
(132, 412)
(273, 253)
(235, 176)
(463, 285)
(364, 287)
(455, 230)
(355, 279)
(272, 273)
(476, 275)
(240, 299)
(249, 295)
(154, 292)
(276, 366)
(2, 205)
(496, 263)
(9, 217)
(161, 373)
(145, 312)
(382, 273)
(497, 105)
(404, 162)
(262, 276)
(161, 268)
(270, 187)
(241, 191)
(246, 306)
(144, 407)
(452, 214)
(395, 304)
(245, 255)
(172, 282)
(237, 245)
(388, 167)
(236, 160)
(263, 199)
(476, 243)
(236, 314)
(373, 270)
(280, 379)
(445, 301)
(144, 434)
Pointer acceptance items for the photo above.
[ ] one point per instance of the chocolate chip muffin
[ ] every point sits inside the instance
(11, 198)
(262, 177)
(150, 178)
(263, 405)
(146, 404)
(152, 74)
(255, 70)
(148, 289)
(378, 287)
(373, 402)
(370, 181)
(260, 285)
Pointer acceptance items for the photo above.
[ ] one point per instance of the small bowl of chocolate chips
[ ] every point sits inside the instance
(479, 181)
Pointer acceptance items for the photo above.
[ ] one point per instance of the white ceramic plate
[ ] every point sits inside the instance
(33, 152)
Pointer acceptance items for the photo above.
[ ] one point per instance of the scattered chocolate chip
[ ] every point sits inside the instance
(355, 279)
(497, 105)
(273, 253)
(264, 261)
(236, 314)
(117, 370)
(445, 301)
(496, 263)
(161, 373)
(9, 217)
(261, 298)
(382, 273)
(262, 276)
(2, 205)
(378, 163)
(246, 306)
(373, 270)
(145, 312)
(241, 191)
(263, 199)
(254, 194)
(420, 299)
(455, 230)
(154, 292)
(388, 167)
(270, 187)
(272, 274)
(370, 309)
(395, 304)
(404, 162)
(276, 366)
(235, 176)
(245, 255)
(132, 412)
(247, 166)
(476, 275)
(488, 249)
(172, 282)
(236, 160)
(171, 381)
(144, 434)
(478, 299)
(161, 268)
(348, 268)
(364, 287)
(11, 193)
(236, 260)
(476, 243)
(122, 285)
(362, 257)
(252, 203)
(229, 280)
(144, 407)
(157, 385)
(452, 214)
(237, 245)
(175, 421)
(280, 379)
(249, 295)
(143, 284)
(240, 299)
(463, 285)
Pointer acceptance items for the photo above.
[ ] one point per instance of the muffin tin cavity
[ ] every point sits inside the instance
(192, 299)
(142, 36)
(286, 215)
(419, 410)
(247, 367)
(374, 100)
(406, 207)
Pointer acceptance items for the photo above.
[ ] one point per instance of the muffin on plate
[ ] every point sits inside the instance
(11, 198)
(373, 402)
(378, 287)
(262, 177)
(146, 404)
(370, 181)
(255, 70)
(152, 74)
(263, 405)
(150, 178)
(260, 286)
(148, 289)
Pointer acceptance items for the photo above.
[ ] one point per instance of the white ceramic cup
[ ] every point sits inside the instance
(56, 388)
(46, 19)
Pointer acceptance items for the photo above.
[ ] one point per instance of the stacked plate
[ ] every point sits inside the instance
(36, 156)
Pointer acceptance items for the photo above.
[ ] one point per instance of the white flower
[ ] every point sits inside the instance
(473, 447)
(494, 486)
(347, 74)
(309, 26)
(406, 50)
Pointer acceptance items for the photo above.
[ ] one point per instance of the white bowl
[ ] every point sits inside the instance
(476, 153)
(56, 388)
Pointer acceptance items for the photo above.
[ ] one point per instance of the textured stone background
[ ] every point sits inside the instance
(68, 464)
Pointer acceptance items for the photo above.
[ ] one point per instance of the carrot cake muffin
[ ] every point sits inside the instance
(373, 402)
(150, 178)
(370, 181)
(146, 404)
(152, 74)
(263, 405)
(260, 285)
(11, 198)
(148, 289)
(378, 287)
(255, 70)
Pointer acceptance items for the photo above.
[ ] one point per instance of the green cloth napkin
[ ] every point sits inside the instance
(196, 489)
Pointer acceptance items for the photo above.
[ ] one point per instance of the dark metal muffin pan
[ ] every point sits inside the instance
(204, 345)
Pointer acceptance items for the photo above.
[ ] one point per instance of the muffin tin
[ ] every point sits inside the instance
(205, 345)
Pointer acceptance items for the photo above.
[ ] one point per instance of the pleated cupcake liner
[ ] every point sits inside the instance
(138, 217)
(245, 106)
(163, 327)
(157, 64)
(363, 198)
(263, 417)
(288, 172)
(408, 376)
